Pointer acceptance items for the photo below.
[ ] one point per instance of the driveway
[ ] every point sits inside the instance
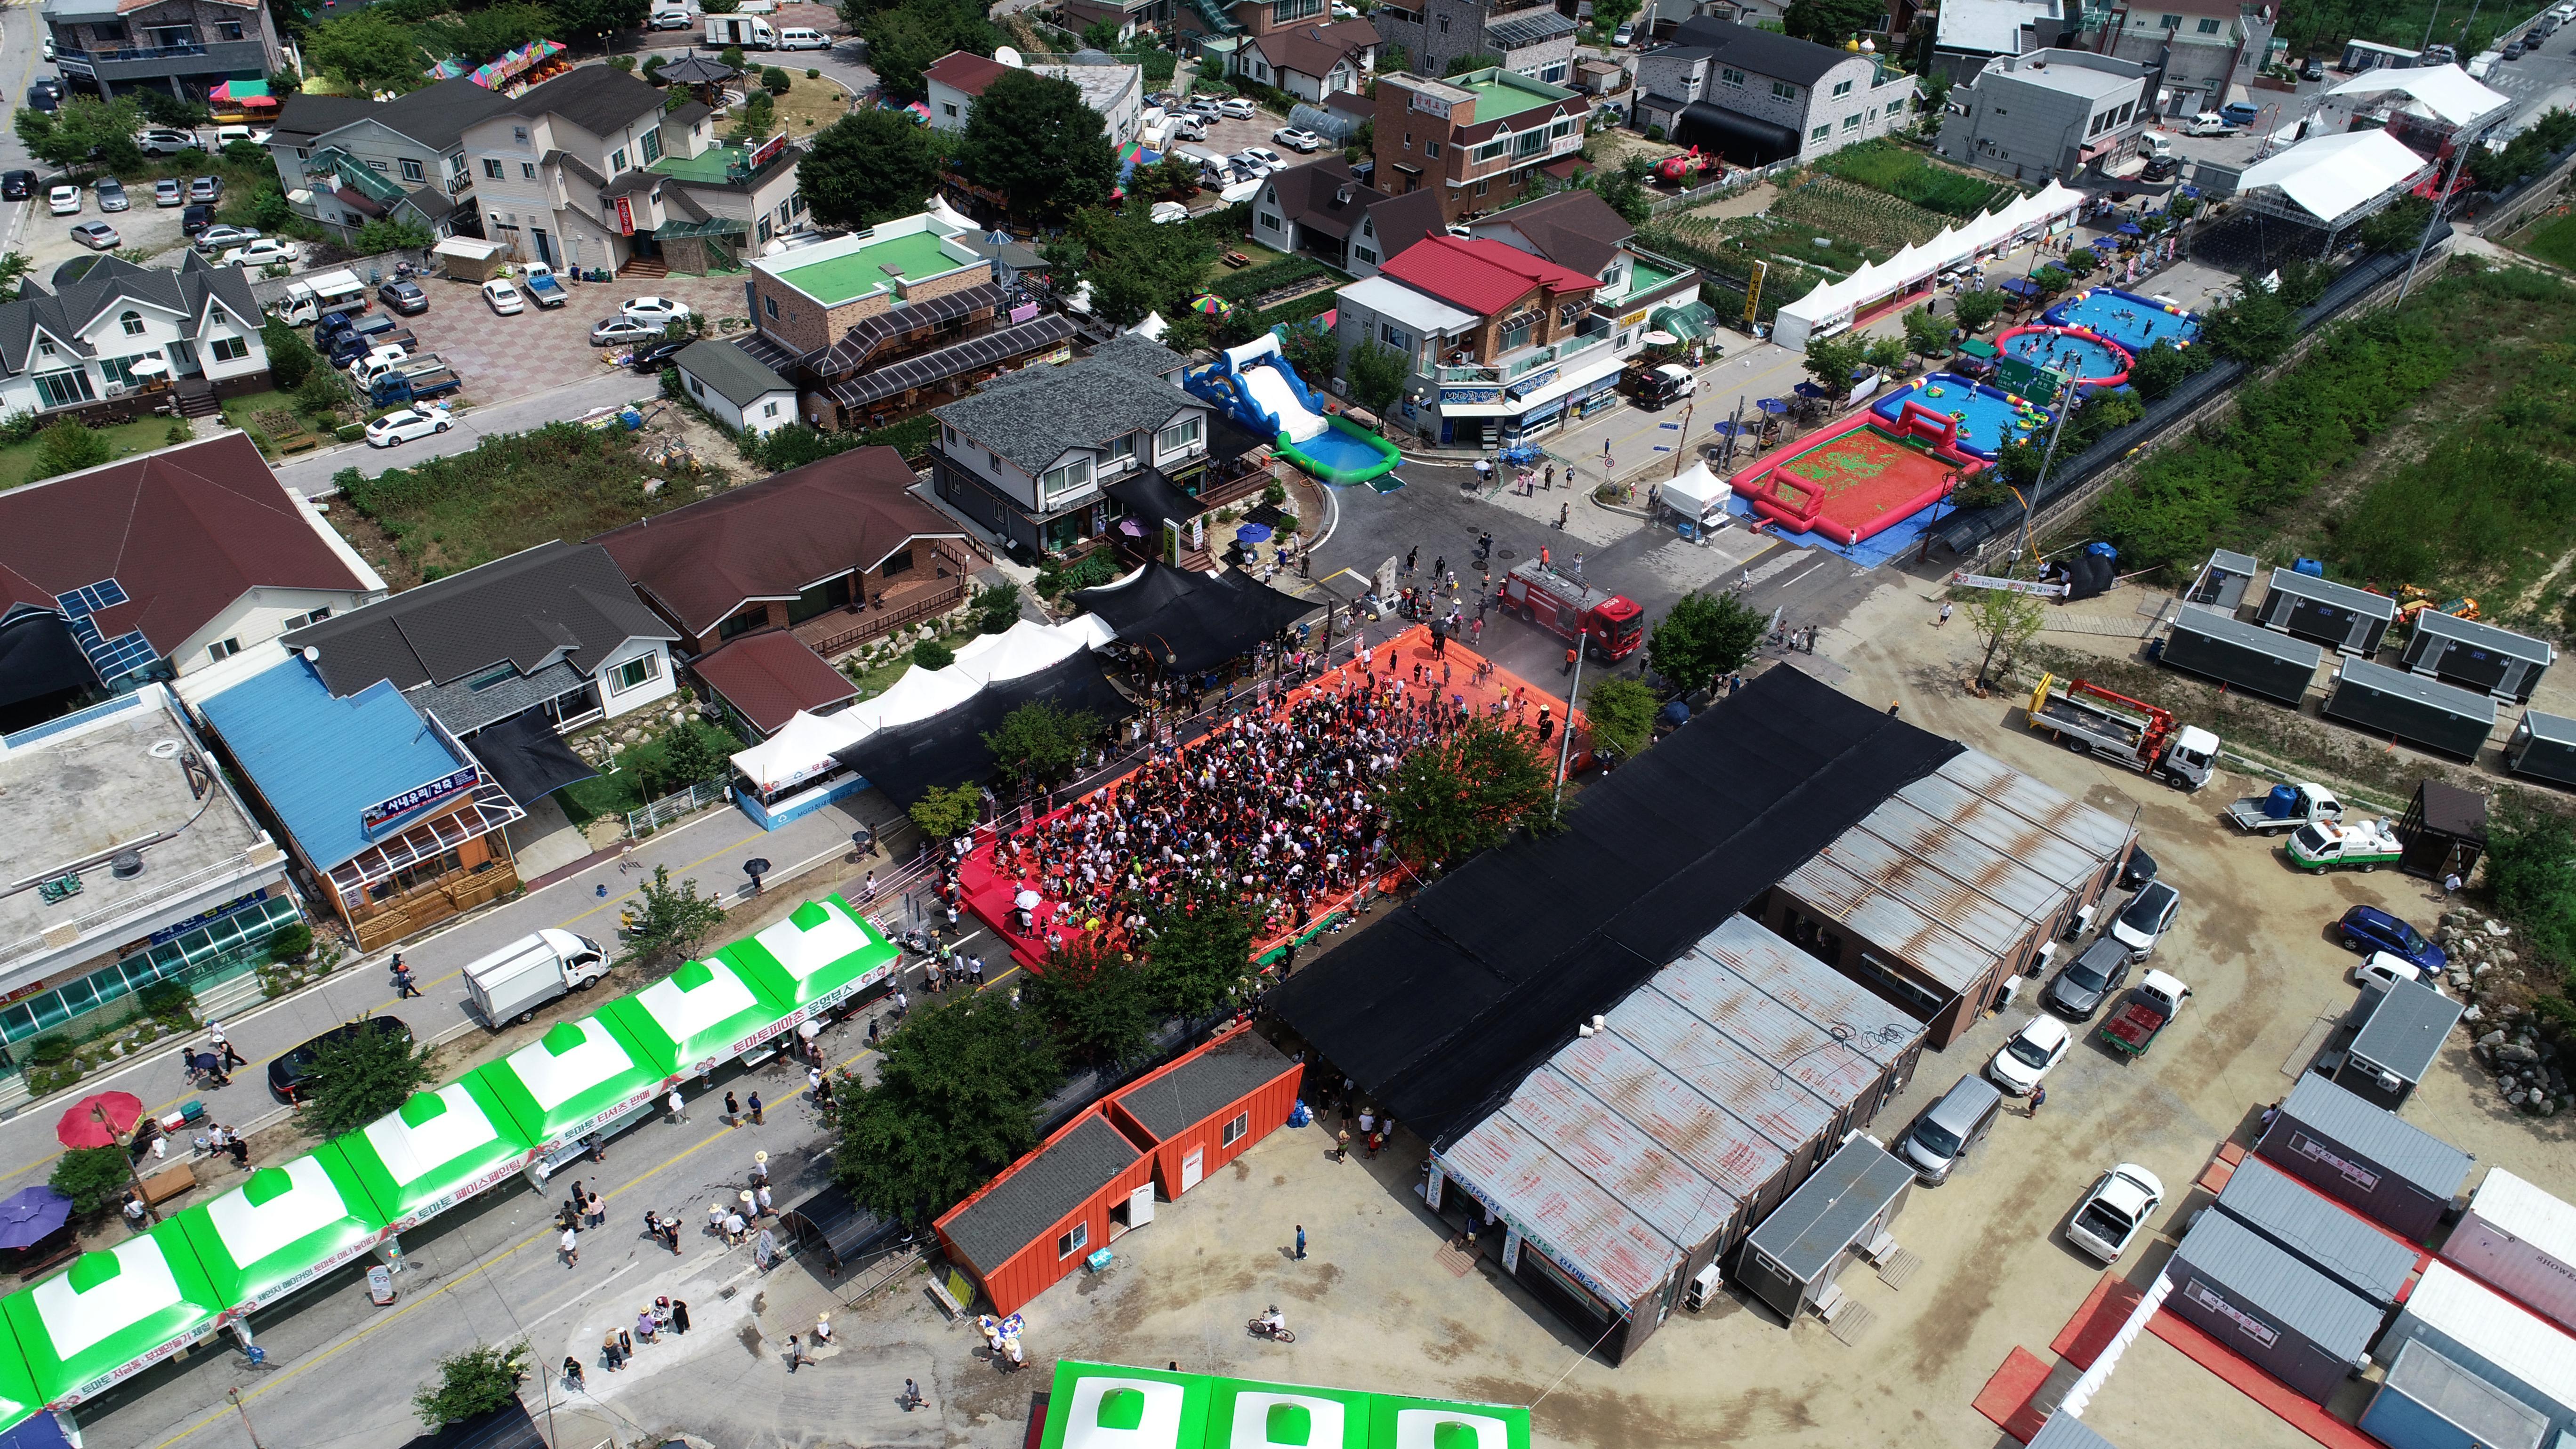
(507, 357)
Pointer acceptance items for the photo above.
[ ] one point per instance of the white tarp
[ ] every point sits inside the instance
(1831, 304)
(2442, 93)
(467, 248)
(920, 694)
(2333, 177)
(800, 750)
(1697, 492)
(1023, 649)
(590, 1054)
(1152, 328)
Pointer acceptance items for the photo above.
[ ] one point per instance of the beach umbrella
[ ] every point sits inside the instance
(31, 1216)
(1210, 304)
(1131, 528)
(1026, 900)
(99, 1120)
(1253, 532)
(1659, 339)
(2131, 228)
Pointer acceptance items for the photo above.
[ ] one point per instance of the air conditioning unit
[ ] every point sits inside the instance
(1702, 1288)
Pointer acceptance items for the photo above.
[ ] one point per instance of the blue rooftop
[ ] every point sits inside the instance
(321, 761)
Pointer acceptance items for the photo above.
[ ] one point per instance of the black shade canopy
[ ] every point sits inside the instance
(529, 759)
(1190, 621)
(948, 748)
(1152, 498)
(39, 658)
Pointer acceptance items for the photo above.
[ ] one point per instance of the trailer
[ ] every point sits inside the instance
(2128, 732)
(2223, 581)
(2330, 1238)
(2216, 646)
(2543, 747)
(2384, 701)
(2428, 1402)
(2492, 1337)
(2270, 1309)
(2339, 616)
(2477, 656)
(2390, 1171)
(2519, 1241)
(1843, 1209)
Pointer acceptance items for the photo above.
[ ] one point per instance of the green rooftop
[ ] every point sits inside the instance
(710, 165)
(856, 274)
(1501, 93)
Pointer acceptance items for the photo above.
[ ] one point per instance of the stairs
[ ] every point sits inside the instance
(647, 268)
(196, 398)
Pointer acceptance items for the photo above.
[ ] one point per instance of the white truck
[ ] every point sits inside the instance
(2324, 845)
(511, 983)
(2107, 1221)
(748, 31)
(2285, 807)
(307, 298)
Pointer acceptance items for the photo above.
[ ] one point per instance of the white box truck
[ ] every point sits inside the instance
(748, 31)
(306, 299)
(511, 983)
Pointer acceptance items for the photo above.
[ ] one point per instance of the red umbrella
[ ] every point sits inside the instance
(82, 1125)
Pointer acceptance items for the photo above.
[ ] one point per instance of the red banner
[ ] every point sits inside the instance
(625, 216)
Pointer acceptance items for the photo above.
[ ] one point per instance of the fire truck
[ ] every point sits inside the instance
(1610, 625)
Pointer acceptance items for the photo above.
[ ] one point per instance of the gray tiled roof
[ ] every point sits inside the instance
(464, 709)
(1204, 1085)
(1762, 52)
(110, 284)
(1033, 415)
(435, 116)
(1039, 1193)
(1829, 1209)
(1144, 354)
(2406, 1029)
(556, 598)
(730, 371)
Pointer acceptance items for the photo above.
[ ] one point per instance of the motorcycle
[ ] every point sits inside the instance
(1260, 1328)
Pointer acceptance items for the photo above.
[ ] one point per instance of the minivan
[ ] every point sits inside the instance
(1949, 1129)
(799, 38)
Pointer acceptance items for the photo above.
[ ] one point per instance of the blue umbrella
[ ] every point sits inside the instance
(2131, 228)
(1771, 405)
(1807, 389)
(1253, 532)
(31, 1216)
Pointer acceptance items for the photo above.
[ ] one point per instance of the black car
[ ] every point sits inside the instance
(291, 1074)
(659, 355)
(2140, 869)
(2089, 980)
(196, 219)
(17, 185)
(404, 297)
(45, 95)
(2161, 168)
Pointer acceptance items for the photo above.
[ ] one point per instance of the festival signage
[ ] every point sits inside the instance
(768, 151)
(420, 797)
(1110, 1406)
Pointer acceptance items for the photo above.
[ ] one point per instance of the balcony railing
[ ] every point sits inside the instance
(137, 52)
(1592, 332)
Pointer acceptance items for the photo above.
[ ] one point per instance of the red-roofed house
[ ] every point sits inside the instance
(765, 678)
(1502, 346)
(187, 562)
(954, 81)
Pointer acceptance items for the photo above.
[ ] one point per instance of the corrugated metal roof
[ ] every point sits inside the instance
(1889, 922)
(2494, 1328)
(1830, 1208)
(1837, 1056)
(2227, 629)
(2406, 1030)
(2059, 863)
(2065, 1431)
(2287, 1211)
(1729, 1074)
(2327, 591)
(1857, 1017)
(2515, 1206)
(2490, 1415)
(1573, 1219)
(2401, 1147)
(2432, 625)
(1588, 1136)
(2100, 834)
(2018, 865)
(1721, 1146)
(1969, 886)
(2234, 1260)
(2557, 729)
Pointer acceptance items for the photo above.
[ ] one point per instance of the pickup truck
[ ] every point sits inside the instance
(414, 379)
(2286, 807)
(2361, 845)
(2148, 1009)
(542, 286)
(2209, 123)
(358, 345)
(2107, 1221)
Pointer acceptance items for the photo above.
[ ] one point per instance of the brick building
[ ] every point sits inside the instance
(1474, 139)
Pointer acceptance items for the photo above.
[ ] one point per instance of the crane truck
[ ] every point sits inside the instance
(2090, 719)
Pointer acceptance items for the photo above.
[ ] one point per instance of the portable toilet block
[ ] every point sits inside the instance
(2477, 656)
(2338, 616)
(2384, 701)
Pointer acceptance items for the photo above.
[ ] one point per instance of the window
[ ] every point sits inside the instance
(231, 349)
(223, 649)
(766, 227)
(796, 202)
(377, 166)
(502, 674)
(1284, 12)
(2127, 111)
(1482, 187)
(995, 459)
(1893, 107)
(1178, 436)
(527, 171)
(635, 673)
(1269, 221)
(1730, 75)
(1842, 89)
(951, 435)
(897, 562)
(1431, 149)
(1516, 332)
(491, 169)
(1122, 450)
(1395, 337)
(616, 160)
(697, 388)
(62, 389)
(769, 409)
(1821, 133)
(2209, 26)
(45, 345)
(315, 617)
(229, 29)
(132, 322)
(770, 306)
(949, 110)
(1065, 479)
(1851, 123)
(2171, 22)
(1784, 90)
(1366, 256)
(1068, 1244)
(652, 147)
(1235, 1130)
(744, 622)
(1490, 151)
(413, 171)
(1444, 25)
(455, 163)
(519, 134)
(120, 370)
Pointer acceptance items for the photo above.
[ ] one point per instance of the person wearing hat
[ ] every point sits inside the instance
(715, 1217)
(760, 1167)
(822, 1328)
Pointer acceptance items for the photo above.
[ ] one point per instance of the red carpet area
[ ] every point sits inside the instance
(2006, 1397)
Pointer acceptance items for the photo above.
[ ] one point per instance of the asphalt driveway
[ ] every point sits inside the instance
(501, 358)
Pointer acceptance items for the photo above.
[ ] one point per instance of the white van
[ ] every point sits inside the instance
(750, 32)
(796, 37)
(511, 983)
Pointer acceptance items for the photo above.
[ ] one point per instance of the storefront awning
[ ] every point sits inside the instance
(1690, 321)
(529, 759)
(1148, 496)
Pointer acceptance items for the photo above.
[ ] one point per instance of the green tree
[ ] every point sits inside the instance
(945, 812)
(92, 1177)
(1473, 60)
(2161, 368)
(1393, 59)
(1376, 376)
(1830, 22)
(1465, 793)
(731, 57)
(1831, 361)
(1925, 333)
(1976, 309)
(67, 447)
(161, 108)
(1313, 350)
(1033, 139)
(2398, 228)
(387, 235)
(601, 18)
(931, 654)
(1705, 638)
(472, 1383)
(957, 1096)
(670, 920)
(290, 360)
(365, 50)
(2003, 620)
(1041, 742)
(775, 81)
(1885, 353)
(1622, 712)
(996, 607)
(1134, 267)
(85, 131)
(758, 121)
(1174, 177)
(693, 754)
(1101, 35)
(904, 39)
(2530, 878)
(1200, 952)
(1103, 1009)
(488, 32)
(360, 1077)
(2256, 328)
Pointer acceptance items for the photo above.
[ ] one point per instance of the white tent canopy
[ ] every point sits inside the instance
(920, 694)
(1697, 492)
(1023, 649)
(1152, 328)
(2443, 94)
(1830, 306)
(801, 750)
(2335, 179)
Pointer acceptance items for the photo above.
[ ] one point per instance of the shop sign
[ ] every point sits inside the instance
(768, 151)
(384, 812)
(1536, 382)
(1430, 105)
(202, 918)
(1450, 395)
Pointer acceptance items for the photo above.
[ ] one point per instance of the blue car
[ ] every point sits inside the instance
(2367, 928)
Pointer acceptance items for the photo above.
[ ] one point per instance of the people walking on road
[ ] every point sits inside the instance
(760, 1169)
(404, 986)
(610, 1357)
(594, 1210)
(679, 1112)
(2038, 1099)
(734, 1229)
(1342, 1145)
(756, 1109)
(715, 1217)
(570, 1245)
(680, 1316)
(1410, 555)
(1301, 1242)
(231, 1054)
(796, 1355)
(1945, 614)
(732, 1111)
(1564, 511)
(912, 1398)
(572, 1375)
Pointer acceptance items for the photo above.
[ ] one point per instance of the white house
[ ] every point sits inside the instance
(83, 343)
(1311, 61)
(1110, 87)
(735, 391)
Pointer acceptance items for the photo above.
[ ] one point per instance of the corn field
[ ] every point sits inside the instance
(1871, 221)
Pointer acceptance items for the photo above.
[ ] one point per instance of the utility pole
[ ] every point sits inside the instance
(1565, 747)
(235, 1396)
(2428, 25)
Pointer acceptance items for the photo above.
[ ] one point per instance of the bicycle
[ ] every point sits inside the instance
(1259, 1329)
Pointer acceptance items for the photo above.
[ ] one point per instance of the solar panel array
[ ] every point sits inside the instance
(125, 654)
(88, 599)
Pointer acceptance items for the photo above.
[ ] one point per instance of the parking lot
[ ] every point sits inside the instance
(505, 357)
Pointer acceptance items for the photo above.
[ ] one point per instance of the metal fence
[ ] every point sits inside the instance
(672, 807)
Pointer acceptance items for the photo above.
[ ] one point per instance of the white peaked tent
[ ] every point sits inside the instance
(2443, 94)
(801, 750)
(2334, 180)
(1698, 493)
(1024, 648)
(1152, 328)
(1830, 306)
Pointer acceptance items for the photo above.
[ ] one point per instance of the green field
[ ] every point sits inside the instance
(1906, 174)
(2553, 241)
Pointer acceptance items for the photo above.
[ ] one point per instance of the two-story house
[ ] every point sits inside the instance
(1754, 96)
(77, 349)
(588, 170)
(1530, 37)
(184, 47)
(344, 161)
(1474, 140)
(1311, 60)
(1968, 33)
(1111, 87)
(1639, 292)
(2197, 48)
(1499, 343)
(1033, 454)
(1322, 211)
(2051, 113)
(875, 326)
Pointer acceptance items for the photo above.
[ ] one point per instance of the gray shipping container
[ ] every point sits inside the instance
(2385, 701)
(2272, 1310)
(2223, 580)
(2397, 1045)
(2477, 656)
(2392, 1172)
(2065, 1431)
(2258, 661)
(2325, 1235)
(2338, 616)
(2429, 1402)
(1797, 1250)
(2543, 746)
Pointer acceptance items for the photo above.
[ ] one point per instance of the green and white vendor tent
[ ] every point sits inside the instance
(579, 1076)
(436, 1150)
(285, 1227)
(1110, 1406)
(700, 1015)
(112, 1315)
(19, 1398)
(819, 957)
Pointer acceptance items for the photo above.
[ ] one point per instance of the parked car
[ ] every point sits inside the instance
(1950, 1128)
(2161, 168)
(1625, 35)
(45, 94)
(194, 220)
(1297, 140)
(2140, 869)
(162, 141)
(98, 236)
(226, 135)
(291, 1075)
(2088, 980)
(2150, 913)
(799, 38)
(2515, 50)
(64, 201)
(404, 297)
(206, 188)
(1266, 157)
(659, 355)
(1236, 108)
(404, 424)
(656, 311)
(2314, 70)
(17, 185)
(2029, 1054)
(2240, 113)
(2382, 970)
(267, 251)
(1248, 166)
(2209, 123)
(215, 240)
(169, 191)
(1204, 106)
(623, 332)
(47, 47)
(504, 297)
(2110, 1216)
(2368, 928)
(111, 194)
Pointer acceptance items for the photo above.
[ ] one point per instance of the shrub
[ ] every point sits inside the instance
(931, 654)
(291, 942)
(813, 74)
(67, 447)
(168, 1000)
(52, 1049)
(775, 81)
(1654, 133)
(622, 62)
(93, 1177)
